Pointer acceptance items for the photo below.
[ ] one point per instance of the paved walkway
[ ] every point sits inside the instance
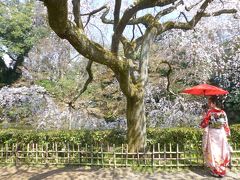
(72, 173)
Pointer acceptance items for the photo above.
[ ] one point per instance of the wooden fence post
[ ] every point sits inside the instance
(170, 154)
(114, 156)
(6, 147)
(43, 154)
(144, 151)
(91, 155)
(86, 154)
(56, 152)
(138, 157)
(46, 155)
(16, 154)
(102, 160)
(2, 152)
(109, 159)
(165, 158)
(177, 157)
(68, 153)
(27, 150)
(197, 151)
(153, 155)
(80, 154)
(190, 154)
(36, 153)
(159, 154)
(126, 156)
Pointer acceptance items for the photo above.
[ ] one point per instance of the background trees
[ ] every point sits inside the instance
(18, 33)
(196, 56)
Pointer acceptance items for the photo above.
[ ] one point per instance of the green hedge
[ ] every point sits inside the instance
(174, 135)
(181, 136)
(235, 134)
(77, 136)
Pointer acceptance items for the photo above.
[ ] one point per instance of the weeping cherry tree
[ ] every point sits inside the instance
(128, 56)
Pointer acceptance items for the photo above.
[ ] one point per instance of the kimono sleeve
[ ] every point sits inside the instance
(205, 120)
(226, 127)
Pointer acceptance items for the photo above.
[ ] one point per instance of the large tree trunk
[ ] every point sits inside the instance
(136, 122)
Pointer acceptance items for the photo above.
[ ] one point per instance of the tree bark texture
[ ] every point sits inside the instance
(136, 124)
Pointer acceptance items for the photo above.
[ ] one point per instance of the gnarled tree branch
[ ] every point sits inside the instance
(192, 23)
(223, 11)
(148, 38)
(168, 76)
(57, 15)
(84, 88)
(129, 13)
(141, 20)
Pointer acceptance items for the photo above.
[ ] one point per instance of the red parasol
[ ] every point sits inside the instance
(205, 89)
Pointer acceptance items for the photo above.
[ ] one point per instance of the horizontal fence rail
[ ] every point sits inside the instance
(158, 155)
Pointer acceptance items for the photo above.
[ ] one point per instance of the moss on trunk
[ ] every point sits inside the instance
(136, 123)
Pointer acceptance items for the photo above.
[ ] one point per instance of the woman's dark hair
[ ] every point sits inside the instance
(215, 100)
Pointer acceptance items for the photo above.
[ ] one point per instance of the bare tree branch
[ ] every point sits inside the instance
(200, 13)
(102, 35)
(133, 33)
(57, 15)
(184, 15)
(58, 21)
(140, 30)
(133, 30)
(129, 13)
(147, 19)
(94, 11)
(192, 6)
(168, 75)
(74, 57)
(141, 20)
(223, 11)
(128, 47)
(117, 13)
(148, 37)
(139, 41)
(76, 13)
(84, 88)
(131, 47)
(90, 14)
(168, 10)
(192, 23)
(103, 17)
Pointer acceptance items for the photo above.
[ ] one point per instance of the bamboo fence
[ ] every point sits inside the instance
(158, 155)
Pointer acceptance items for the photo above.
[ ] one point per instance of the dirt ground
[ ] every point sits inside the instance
(72, 173)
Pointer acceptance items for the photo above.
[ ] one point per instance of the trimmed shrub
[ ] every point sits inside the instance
(182, 136)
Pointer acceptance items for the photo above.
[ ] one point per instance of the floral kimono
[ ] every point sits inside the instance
(215, 146)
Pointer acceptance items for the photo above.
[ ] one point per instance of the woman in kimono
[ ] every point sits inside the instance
(215, 146)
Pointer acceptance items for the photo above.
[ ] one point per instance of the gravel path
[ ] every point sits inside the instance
(72, 173)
